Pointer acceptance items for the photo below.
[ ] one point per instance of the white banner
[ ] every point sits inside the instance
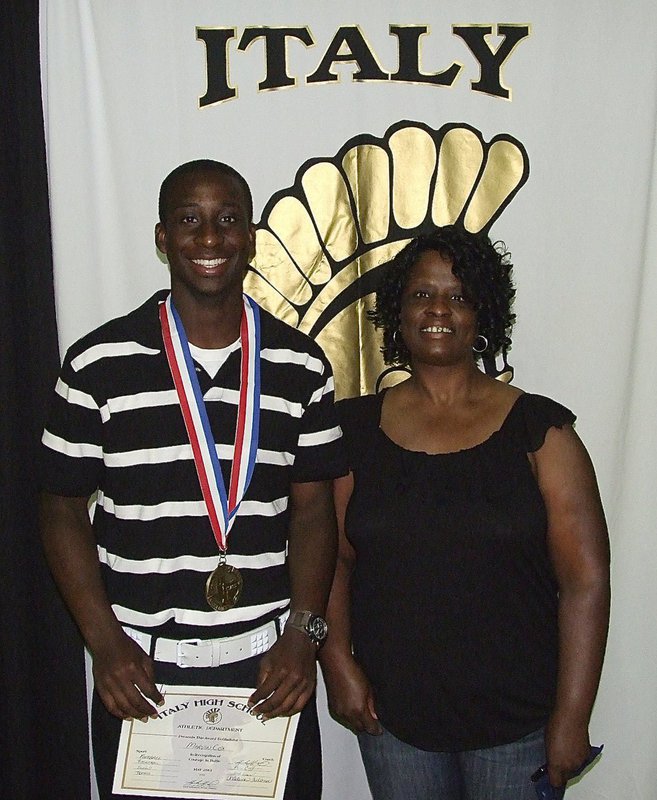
(547, 109)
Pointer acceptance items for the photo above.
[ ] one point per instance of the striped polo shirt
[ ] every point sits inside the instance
(116, 433)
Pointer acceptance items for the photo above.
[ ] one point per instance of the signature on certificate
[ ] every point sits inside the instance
(201, 783)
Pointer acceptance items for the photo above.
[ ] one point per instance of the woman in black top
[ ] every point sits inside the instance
(469, 610)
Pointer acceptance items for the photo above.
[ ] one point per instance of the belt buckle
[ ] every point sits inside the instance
(180, 655)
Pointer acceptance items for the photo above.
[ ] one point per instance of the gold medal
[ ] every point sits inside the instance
(223, 587)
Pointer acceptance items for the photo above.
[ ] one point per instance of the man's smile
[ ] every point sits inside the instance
(209, 262)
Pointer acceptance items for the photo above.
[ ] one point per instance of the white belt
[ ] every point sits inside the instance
(210, 652)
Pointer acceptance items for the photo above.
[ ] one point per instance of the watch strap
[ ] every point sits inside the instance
(309, 623)
(299, 619)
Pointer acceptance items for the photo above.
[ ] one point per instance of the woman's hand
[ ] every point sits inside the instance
(350, 697)
(567, 746)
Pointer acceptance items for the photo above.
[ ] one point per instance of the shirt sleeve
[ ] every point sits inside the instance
(71, 459)
(539, 415)
(320, 451)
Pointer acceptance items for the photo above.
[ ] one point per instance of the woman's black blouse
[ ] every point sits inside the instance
(454, 599)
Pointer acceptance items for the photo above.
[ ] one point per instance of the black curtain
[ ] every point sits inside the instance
(43, 728)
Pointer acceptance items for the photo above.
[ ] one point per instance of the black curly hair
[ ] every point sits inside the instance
(484, 269)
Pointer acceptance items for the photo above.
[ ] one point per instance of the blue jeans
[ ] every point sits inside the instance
(398, 771)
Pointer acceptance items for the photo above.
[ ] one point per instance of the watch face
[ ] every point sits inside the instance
(317, 628)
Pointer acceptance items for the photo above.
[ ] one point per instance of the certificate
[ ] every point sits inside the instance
(205, 744)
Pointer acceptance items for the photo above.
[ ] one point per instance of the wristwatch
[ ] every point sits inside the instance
(312, 625)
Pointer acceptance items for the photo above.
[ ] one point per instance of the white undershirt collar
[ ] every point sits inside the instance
(212, 360)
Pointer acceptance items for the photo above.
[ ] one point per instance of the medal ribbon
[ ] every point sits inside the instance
(222, 506)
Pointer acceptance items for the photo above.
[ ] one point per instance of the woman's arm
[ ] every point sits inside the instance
(579, 549)
(349, 693)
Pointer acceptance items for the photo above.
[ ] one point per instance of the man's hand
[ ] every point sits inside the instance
(124, 679)
(287, 676)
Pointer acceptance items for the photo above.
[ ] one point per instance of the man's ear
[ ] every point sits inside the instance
(161, 238)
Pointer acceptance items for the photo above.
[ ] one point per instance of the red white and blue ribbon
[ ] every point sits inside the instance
(222, 506)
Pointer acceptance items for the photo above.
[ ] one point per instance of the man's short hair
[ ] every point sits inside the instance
(202, 165)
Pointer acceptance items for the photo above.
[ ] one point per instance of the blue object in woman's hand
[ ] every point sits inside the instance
(545, 790)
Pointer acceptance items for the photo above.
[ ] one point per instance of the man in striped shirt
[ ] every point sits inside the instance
(137, 580)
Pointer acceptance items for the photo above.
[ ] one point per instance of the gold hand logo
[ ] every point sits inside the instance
(320, 242)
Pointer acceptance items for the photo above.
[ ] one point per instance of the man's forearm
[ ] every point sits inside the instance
(123, 673)
(312, 546)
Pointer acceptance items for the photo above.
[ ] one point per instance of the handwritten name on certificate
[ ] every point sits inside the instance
(205, 744)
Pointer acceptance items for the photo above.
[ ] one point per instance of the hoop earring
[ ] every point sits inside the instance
(397, 339)
(485, 341)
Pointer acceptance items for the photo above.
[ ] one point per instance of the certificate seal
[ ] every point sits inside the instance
(212, 716)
